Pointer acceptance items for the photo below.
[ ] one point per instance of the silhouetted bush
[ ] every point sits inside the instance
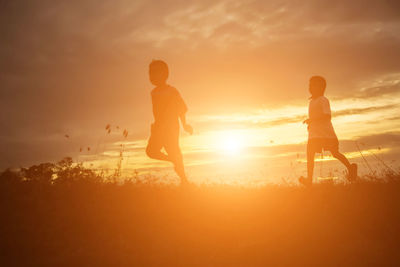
(63, 172)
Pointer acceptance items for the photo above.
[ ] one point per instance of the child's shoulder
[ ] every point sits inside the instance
(324, 99)
(320, 99)
(168, 89)
(173, 89)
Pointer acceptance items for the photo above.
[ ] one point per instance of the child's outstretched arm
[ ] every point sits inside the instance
(186, 126)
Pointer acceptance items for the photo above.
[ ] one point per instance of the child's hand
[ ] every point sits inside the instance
(188, 128)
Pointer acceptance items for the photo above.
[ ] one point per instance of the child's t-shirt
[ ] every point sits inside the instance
(320, 129)
(168, 105)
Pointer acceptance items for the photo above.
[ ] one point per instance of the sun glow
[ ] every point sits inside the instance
(231, 143)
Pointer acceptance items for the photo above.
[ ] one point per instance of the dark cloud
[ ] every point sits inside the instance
(380, 91)
(330, 12)
(383, 87)
(388, 139)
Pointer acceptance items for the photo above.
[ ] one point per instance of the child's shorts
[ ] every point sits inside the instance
(317, 144)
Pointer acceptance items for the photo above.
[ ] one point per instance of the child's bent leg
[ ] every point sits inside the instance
(342, 158)
(156, 154)
(153, 150)
(352, 168)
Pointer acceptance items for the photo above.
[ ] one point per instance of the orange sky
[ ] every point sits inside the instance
(242, 67)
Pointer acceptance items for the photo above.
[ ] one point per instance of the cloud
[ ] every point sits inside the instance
(356, 111)
(387, 85)
(237, 121)
(390, 140)
(380, 91)
(69, 66)
(339, 113)
(387, 139)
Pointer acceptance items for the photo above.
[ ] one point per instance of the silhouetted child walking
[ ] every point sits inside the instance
(168, 108)
(321, 134)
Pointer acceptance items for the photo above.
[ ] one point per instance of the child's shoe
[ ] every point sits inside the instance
(353, 172)
(305, 181)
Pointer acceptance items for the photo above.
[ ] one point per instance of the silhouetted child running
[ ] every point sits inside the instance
(168, 108)
(321, 134)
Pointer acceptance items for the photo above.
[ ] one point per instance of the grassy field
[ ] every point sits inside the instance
(60, 215)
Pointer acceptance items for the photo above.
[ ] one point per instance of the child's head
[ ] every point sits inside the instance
(317, 86)
(158, 72)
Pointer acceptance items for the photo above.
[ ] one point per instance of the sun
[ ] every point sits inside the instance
(230, 143)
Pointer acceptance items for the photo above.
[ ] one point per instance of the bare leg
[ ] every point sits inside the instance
(175, 156)
(310, 164)
(155, 153)
(180, 170)
(342, 158)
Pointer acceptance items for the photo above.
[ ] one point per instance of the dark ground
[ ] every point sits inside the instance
(90, 223)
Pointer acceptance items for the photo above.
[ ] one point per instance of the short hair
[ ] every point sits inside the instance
(159, 69)
(320, 81)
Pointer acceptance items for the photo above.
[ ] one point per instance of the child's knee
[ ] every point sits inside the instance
(176, 156)
(150, 152)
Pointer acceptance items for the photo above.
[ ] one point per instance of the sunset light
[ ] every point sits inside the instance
(231, 143)
(200, 133)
